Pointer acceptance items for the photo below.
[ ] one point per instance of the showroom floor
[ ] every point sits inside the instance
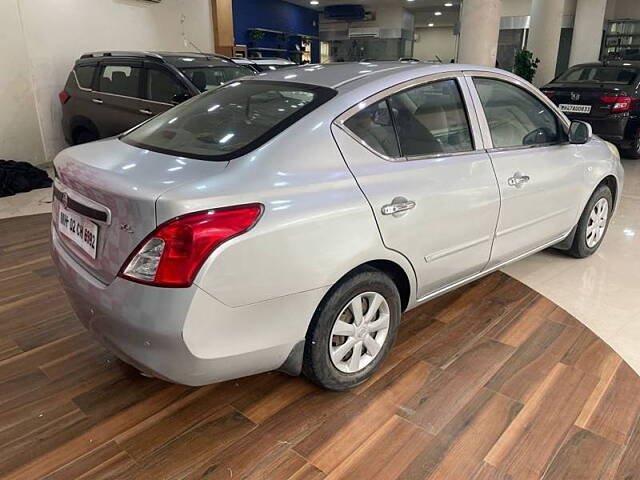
(490, 381)
(548, 396)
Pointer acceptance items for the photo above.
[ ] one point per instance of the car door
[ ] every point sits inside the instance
(417, 154)
(540, 174)
(118, 96)
(162, 90)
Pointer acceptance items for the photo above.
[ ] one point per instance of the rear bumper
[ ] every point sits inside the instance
(184, 335)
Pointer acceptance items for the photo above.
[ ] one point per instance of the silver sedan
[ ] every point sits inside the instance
(286, 221)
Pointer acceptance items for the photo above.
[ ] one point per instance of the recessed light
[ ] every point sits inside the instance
(314, 2)
(448, 4)
(437, 14)
(430, 25)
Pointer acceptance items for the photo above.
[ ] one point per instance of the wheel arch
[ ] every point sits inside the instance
(80, 123)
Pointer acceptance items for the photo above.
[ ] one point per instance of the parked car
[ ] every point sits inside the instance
(107, 93)
(605, 94)
(285, 221)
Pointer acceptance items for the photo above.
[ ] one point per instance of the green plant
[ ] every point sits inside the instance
(525, 65)
(256, 35)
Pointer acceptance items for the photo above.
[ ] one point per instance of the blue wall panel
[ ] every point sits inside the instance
(274, 15)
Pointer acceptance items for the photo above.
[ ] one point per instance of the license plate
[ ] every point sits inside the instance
(79, 230)
(567, 108)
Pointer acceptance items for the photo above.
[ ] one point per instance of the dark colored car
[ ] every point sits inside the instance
(107, 93)
(607, 96)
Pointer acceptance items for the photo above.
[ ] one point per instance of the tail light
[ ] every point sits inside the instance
(619, 103)
(172, 255)
(63, 97)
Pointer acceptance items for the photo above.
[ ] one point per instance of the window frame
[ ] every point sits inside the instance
(475, 131)
(563, 122)
(124, 63)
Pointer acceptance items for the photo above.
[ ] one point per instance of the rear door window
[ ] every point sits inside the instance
(431, 120)
(120, 80)
(229, 121)
(374, 127)
(84, 74)
(162, 87)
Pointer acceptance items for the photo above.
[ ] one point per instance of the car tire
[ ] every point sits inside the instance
(634, 150)
(593, 224)
(323, 361)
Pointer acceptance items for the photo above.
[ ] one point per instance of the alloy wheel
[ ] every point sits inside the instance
(359, 332)
(597, 222)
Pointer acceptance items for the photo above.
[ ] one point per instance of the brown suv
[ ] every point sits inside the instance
(107, 93)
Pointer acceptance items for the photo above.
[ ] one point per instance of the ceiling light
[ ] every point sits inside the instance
(448, 4)
(314, 2)
(437, 14)
(430, 25)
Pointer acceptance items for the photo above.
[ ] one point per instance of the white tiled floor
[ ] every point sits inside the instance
(602, 291)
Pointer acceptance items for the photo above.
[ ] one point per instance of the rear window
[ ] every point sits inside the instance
(598, 74)
(229, 121)
(206, 78)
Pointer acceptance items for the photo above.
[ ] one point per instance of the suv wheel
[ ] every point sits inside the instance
(352, 330)
(593, 224)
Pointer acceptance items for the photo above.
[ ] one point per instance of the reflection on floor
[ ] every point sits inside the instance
(490, 381)
(602, 291)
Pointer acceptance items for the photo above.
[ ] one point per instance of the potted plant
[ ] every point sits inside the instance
(525, 65)
(255, 36)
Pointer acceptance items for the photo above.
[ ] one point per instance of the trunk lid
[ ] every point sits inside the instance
(115, 186)
(582, 94)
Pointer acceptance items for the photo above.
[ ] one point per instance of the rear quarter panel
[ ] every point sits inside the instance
(601, 159)
(316, 224)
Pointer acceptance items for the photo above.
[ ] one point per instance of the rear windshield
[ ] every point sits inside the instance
(597, 74)
(229, 121)
(206, 78)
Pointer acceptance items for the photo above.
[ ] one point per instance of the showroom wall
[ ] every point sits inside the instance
(20, 133)
(274, 15)
(43, 38)
(436, 41)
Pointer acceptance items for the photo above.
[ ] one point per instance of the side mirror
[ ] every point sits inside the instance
(180, 97)
(580, 132)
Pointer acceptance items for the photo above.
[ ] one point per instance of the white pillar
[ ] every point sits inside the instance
(587, 31)
(544, 37)
(479, 29)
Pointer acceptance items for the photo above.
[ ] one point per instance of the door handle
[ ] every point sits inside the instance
(145, 111)
(97, 100)
(398, 206)
(518, 180)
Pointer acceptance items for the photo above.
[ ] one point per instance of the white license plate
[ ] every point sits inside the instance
(79, 230)
(568, 108)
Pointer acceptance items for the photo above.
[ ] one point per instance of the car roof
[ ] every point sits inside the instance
(342, 75)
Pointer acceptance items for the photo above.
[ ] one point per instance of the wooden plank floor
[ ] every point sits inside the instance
(491, 381)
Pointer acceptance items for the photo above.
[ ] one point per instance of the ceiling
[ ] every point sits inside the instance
(422, 9)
